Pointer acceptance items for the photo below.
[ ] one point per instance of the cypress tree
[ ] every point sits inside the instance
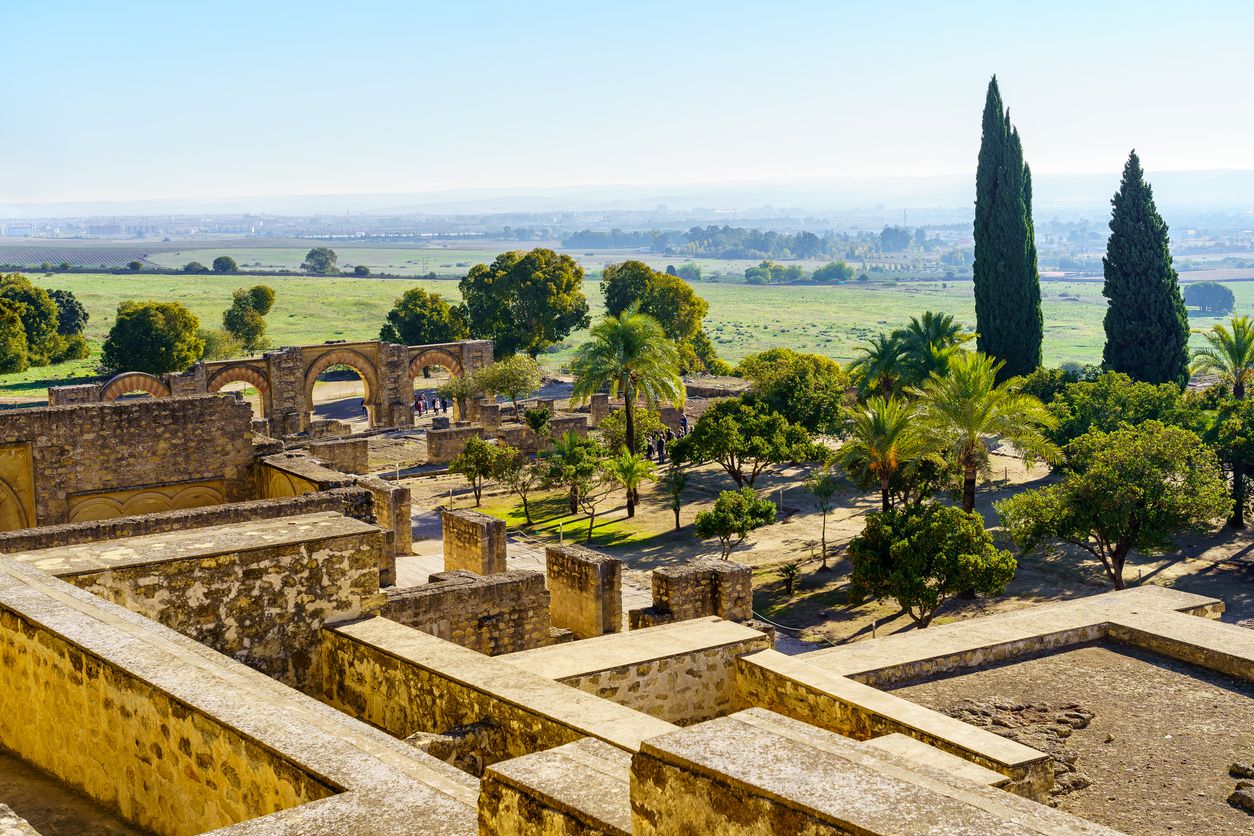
(1007, 284)
(1147, 326)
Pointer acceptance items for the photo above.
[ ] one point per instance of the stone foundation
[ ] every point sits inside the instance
(701, 587)
(350, 455)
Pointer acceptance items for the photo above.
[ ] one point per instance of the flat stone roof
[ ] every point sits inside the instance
(191, 544)
(616, 650)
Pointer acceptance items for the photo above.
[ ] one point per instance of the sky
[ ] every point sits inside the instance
(128, 100)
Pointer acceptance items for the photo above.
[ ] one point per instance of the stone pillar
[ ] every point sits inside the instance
(490, 417)
(396, 397)
(586, 589)
(194, 381)
(474, 542)
(285, 369)
(598, 408)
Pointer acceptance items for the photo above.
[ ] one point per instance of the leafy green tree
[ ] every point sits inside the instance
(320, 260)
(823, 487)
(461, 390)
(514, 377)
(153, 337)
(519, 473)
(668, 299)
(1231, 435)
(422, 318)
(1113, 399)
(963, 411)
(630, 470)
(573, 463)
(219, 344)
(39, 314)
(260, 298)
(225, 264)
(836, 271)
(539, 420)
(593, 491)
(71, 315)
(1147, 326)
(675, 482)
(880, 365)
(883, 440)
(927, 343)
(1210, 297)
(195, 267)
(734, 514)
(1007, 284)
(630, 355)
(613, 428)
(623, 285)
(477, 462)
(1047, 384)
(745, 438)
(807, 388)
(924, 555)
(245, 319)
(361, 270)
(525, 301)
(1229, 354)
(13, 357)
(134, 265)
(1134, 488)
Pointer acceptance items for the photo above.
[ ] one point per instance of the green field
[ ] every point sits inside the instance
(743, 318)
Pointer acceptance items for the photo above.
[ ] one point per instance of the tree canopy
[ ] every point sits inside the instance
(153, 337)
(40, 318)
(1134, 488)
(924, 555)
(1147, 326)
(808, 388)
(744, 437)
(1209, 297)
(1112, 400)
(668, 299)
(225, 264)
(13, 356)
(513, 377)
(320, 260)
(422, 318)
(733, 515)
(245, 319)
(525, 301)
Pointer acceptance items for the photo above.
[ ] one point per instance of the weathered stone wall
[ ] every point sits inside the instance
(445, 445)
(130, 746)
(259, 593)
(92, 450)
(351, 502)
(496, 614)
(701, 587)
(474, 542)
(350, 455)
(69, 395)
(586, 588)
(598, 408)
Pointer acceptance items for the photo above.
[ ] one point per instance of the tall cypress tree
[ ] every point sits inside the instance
(1147, 326)
(1007, 284)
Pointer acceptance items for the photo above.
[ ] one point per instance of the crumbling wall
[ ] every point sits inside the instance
(586, 589)
(107, 454)
(701, 587)
(445, 445)
(496, 614)
(474, 542)
(350, 455)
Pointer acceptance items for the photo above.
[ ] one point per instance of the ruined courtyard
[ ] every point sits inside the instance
(212, 621)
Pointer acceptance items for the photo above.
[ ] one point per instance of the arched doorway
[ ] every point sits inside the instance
(129, 384)
(342, 385)
(428, 371)
(246, 383)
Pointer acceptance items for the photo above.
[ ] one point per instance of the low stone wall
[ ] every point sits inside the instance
(350, 455)
(257, 592)
(445, 445)
(680, 673)
(587, 590)
(404, 681)
(327, 428)
(701, 587)
(473, 542)
(351, 502)
(496, 614)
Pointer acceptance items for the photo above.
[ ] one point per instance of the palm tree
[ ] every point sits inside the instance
(1230, 356)
(630, 470)
(883, 439)
(965, 408)
(631, 355)
(928, 342)
(881, 364)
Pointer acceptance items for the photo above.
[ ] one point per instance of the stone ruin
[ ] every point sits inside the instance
(201, 632)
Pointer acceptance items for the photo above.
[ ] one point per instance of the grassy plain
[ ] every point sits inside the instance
(743, 318)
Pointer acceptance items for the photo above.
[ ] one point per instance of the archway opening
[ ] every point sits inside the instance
(341, 393)
(427, 403)
(245, 391)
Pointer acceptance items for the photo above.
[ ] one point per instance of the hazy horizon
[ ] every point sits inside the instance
(143, 101)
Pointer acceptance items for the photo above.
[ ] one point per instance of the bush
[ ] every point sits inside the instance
(225, 264)
(735, 514)
(361, 270)
(153, 337)
(195, 267)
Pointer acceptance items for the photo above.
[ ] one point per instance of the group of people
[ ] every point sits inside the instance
(655, 446)
(433, 404)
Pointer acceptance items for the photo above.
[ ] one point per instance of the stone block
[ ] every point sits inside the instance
(598, 408)
(351, 455)
(474, 542)
(445, 445)
(586, 590)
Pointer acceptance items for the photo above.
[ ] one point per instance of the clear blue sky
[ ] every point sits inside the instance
(123, 100)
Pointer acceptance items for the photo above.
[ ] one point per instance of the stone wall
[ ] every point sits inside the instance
(87, 453)
(129, 745)
(257, 592)
(587, 590)
(474, 542)
(350, 455)
(496, 614)
(445, 445)
(701, 587)
(351, 502)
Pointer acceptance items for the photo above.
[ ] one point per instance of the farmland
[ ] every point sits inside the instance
(743, 319)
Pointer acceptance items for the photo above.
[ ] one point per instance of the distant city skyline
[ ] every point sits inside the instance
(136, 100)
